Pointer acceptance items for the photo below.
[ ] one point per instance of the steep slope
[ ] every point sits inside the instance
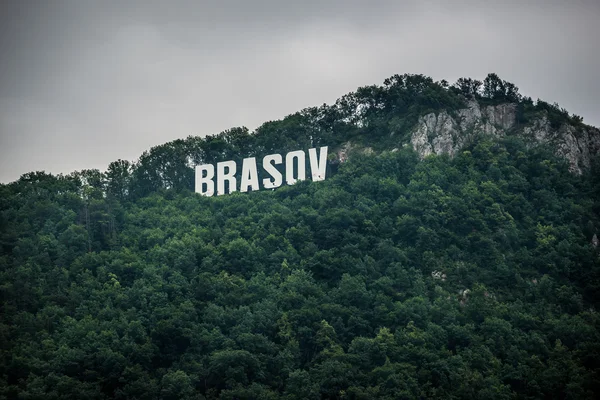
(467, 269)
(441, 133)
(407, 110)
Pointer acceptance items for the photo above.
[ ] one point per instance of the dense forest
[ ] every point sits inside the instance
(467, 277)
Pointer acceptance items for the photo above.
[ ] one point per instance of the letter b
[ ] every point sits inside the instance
(204, 183)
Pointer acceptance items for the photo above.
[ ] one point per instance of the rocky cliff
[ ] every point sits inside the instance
(446, 132)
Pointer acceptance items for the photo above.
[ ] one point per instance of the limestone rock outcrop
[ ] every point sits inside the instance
(447, 133)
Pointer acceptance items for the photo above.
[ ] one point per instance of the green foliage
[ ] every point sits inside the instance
(470, 277)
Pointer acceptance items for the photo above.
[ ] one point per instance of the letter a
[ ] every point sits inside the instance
(249, 175)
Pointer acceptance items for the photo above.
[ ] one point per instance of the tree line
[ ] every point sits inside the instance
(471, 277)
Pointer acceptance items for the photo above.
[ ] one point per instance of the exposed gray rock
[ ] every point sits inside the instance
(342, 153)
(577, 146)
(368, 150)
(501, 117)
(470, 116)
(444, 134)
(539, 130)
(435, 134)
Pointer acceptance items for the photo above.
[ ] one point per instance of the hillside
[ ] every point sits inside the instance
(452, 252)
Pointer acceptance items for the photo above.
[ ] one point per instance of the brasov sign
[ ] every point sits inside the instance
(295, 170)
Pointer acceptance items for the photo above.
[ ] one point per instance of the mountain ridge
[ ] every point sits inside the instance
(471, 275)
(407, 110)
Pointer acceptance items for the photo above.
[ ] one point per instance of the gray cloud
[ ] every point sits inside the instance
(83, 83)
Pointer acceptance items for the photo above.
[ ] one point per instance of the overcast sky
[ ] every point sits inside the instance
(84, 83)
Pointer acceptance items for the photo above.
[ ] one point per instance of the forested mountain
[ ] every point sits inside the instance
(451, 253)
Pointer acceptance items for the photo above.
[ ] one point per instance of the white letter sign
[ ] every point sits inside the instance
(289, 166)
(205, 180)
(227, 170)
(222, 177)
(249, 175)
(271, 170)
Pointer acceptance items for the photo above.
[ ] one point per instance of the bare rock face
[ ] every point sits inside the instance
(342, 153)
(435, 134)
(577, 145)
(443, 133)
(501, 117)
(470, 116)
